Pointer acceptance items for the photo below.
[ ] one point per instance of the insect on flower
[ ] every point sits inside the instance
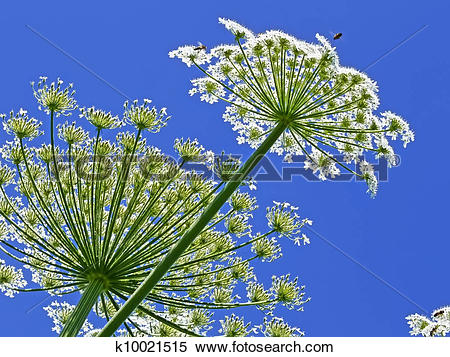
(200, 47)
(438, 325)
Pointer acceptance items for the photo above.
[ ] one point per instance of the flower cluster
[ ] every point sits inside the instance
(288, 292)
(100, 119)
(276, 327)
(60, 313)
(11, 279)
(189, 150)
(324, 110)
(226, 167)
(54, 99)
(21, 125)
(93, 216)
(6, 175)
(145, 118)
(234, 326)
(283, 219)
(437, 325)
(71, 133)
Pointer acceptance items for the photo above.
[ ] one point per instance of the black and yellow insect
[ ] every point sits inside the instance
(200, 47)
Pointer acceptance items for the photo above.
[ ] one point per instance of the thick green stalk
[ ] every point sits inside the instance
(84, 306)
(161, 269)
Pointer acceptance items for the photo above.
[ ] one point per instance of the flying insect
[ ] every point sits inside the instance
(200, 47)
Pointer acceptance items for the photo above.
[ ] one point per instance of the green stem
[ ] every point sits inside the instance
(84, 306)
(162, 268)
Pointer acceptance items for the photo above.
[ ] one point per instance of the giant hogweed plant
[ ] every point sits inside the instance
(87, 215)
(290, 97)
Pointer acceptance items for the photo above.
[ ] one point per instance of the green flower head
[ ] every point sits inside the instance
(53, 98)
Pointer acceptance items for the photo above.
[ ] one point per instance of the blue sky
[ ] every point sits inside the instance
(402, 235)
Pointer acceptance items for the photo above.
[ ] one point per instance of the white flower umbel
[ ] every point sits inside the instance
(273, 79)
(53, 98)
(21, 125)
(11, 279)
(60, 314)
(276, 327)
(283, 219)
(437, 325)
(234, 326)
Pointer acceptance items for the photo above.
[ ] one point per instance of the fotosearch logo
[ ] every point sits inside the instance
(267, 171)
(264, 171)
